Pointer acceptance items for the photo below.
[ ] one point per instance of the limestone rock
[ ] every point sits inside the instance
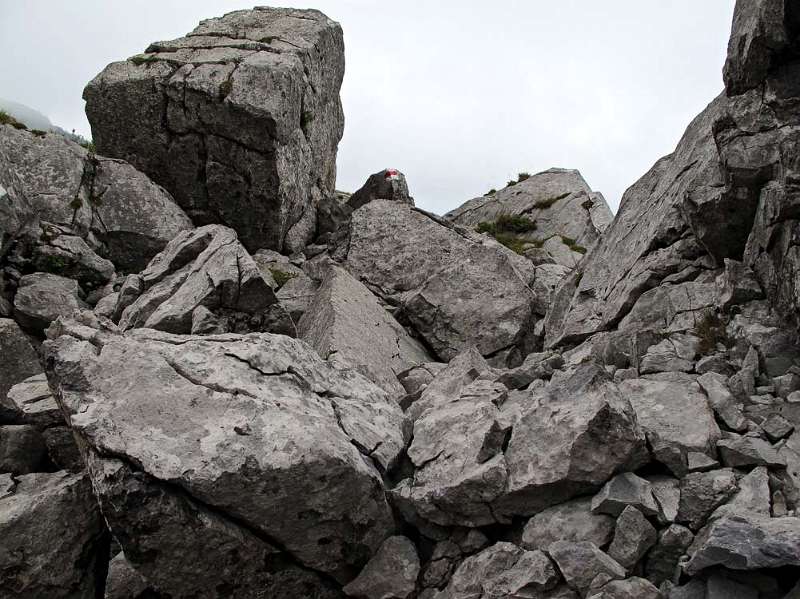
(663, 560)
(124, 582)
(22, 449)
(441, 277)
(675, 416)
(633, 537)
(54, 543)
(623, 491)
(42, 297)
(702, 493)
(347, 327)
(571, 521)
(743, 451)
(239, 120)
(30, 402)
(205, 267)
(753, 496)
(631, 588)
(19, 358)
(390, 574)
(722, 401)
(580, 563)
(388, 184)
(210, 415)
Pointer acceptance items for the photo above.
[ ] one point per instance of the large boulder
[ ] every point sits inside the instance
(569, 217)
(239, 120)
(54, 539)
(52, 180)
(204, 281)
(43, 297)
(441, 276)
(19, 358)
(349, 328)
(257, 428)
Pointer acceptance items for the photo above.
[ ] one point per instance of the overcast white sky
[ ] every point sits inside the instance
(458, 94)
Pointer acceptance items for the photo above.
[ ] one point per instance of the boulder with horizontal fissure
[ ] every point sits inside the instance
(239, 120)
(349, 328)
(257, 427)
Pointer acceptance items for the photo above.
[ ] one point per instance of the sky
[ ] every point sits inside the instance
(460, 95)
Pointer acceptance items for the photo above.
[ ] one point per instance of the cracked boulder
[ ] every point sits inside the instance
(256, 430)
(54, 540)
(239, 120)
(390, 574)
(56, 184)
(203, 281)
(569, 217)
(19, 362)
(43, 297)
(441, 276)
(350, 329)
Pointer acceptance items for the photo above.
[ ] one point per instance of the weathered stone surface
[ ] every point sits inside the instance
(702, 493)
(388, 184)
(390, 574)
(56, 181)
(210, 415)
(205, 267)
(633, 537)
(503, 570)
(675, 416)
(239, 120)
(667, 493)
(622, 491)
(580, 563)
(722, 401)
(676, 353)
(743, 451)
(663, 560)
(61, 448)
(719, 586)
(753, 496)
(22, 449)
(124, 582)
(42, 297)
(54, 542)
(441, 277)
(631, 588)
(741, 542)
(30, 402)
(56, 251)
(563, 206)
(350, 329)
(571, 521)
(19, 358)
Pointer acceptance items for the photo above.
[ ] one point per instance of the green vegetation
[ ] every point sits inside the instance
(541, 204)
(587, 204)
(7, 119)
(507, 229)
(711, 331)
(305, 119)
(572, 244)
(512, 242)
(491, 192)
(523, 176)
(267, 39)
(141, 59)
(281, 277)
(89, 145)
(225, 89)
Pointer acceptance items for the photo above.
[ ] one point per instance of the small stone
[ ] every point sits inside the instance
(390, 574)
(702, 493)
(43, 297)
(667, 492)
(581, 562)
(777, 427)
(664, 558)
(30, 402)
(633, 536)
(738, 452)
(624, 490)
(571, 521)
(631, 588)
(700, 462)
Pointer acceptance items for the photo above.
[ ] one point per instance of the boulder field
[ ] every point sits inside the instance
(220, 377)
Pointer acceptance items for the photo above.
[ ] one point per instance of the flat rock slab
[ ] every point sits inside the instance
(349, 328)
(257, 426)
(239, 120)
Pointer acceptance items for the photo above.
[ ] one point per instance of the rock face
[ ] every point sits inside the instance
(54, 182)
(201, 419)
(569, 216)
(19, 358)
(54, 543)
(391, 574)
(441, 276)
(347, 327)
(239, 120)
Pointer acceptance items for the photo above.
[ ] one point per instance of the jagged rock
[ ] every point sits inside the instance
(622, 491)
(759, 35)
(667, 493)
(54, 543)
(205, 267)
(580, 563)
(503, 570)
(209, 415)
(390, 574)
(676, 353)
(746, 542)
(441, 277)
(567, 213)
(124, 582)
(42, 297)
(185, 548)
(776, 427)
(663, 560)
(536, 366)
(571, 521)
(56, 181)
(631, 588)
(239, 120)
(722, 401)
(388, 184)
(738, 285)
(722, 587)
(296, 295)
(61, 448)
(30, 402)
(695, 589)
(60, 253)
(752, 498)
(19, 358)
(348, 328)
(22, 449)
(737, 452)
(675, 416)
(633, 537)
(702, 493)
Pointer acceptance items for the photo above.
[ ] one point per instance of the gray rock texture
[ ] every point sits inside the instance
(569, 521)
(54, 541)
(201, 418)
(580, 563)
(42, 297)
(350, 329)
(19, 358)
(633, 537)
(239, 120)
(390, 574)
